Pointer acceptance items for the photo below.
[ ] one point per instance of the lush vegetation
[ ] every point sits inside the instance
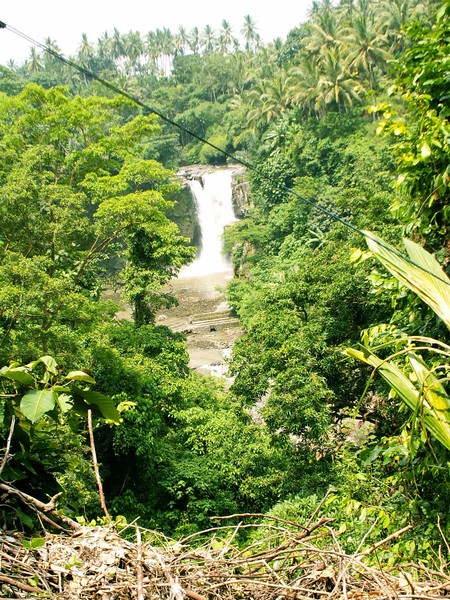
(349, 113)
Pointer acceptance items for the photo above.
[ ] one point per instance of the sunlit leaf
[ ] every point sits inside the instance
(50, 364)
(65, 402)
(19, 374)
(427, 280)
(79, 376)
(36, 403)
(400, 382)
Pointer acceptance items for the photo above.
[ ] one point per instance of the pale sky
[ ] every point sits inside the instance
(65, 21)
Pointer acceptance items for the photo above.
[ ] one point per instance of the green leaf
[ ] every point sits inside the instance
(427, 280)
(33, 544)
(425, 151)
(79, 376)
(50, 364)
(65, 402)
(435, 399)
(104, 403)
(36, 403)
(19, 374)
(437, 426)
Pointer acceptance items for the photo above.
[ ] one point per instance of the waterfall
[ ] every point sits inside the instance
(215, 211)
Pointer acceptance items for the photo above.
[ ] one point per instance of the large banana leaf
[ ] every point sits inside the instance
(431, 401)
(427, 280)
(424, 276)
(435, 399)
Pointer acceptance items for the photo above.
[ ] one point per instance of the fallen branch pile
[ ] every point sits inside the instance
(287, 562)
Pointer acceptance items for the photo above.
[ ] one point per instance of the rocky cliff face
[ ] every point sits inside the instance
(241, 193)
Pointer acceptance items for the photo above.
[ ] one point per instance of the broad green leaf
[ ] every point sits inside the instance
(104, 403)
(407, 392)
(435, 396)
(431, 285)
(49, 362)
(33, 544)
(79, 376)
(36, 403)
(65, 402)
(19, 374)
(391, 373)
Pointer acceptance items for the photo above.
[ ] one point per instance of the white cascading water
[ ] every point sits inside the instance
(215, 211)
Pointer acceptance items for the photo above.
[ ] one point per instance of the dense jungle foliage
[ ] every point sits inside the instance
(350, 112)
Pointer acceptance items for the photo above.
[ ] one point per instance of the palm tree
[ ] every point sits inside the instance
(366, 48)
(85, 51)
(265, 63)
(52, 45)
(159, 49)
(269, 99)
(336, 87)
(304, 84)
(152, 52)
(225, 37)
(250, 33)
(117, 46)
(194, 40)
(133, 49)
(393, 16)
(208, 41)
(104, 45)
(181, 41)
(168, 49)
(50, 60)
(34, 64)
(327, 32)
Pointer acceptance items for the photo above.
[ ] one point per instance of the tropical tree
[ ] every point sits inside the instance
(208, 41)
(303, 84)
(366, 48)
(327, 30)
(86, 50)
(336, 86)
(250, 33)
(269, 100)
(117, 46)
(181, 41)
(73, 197)
(394, 15)
(34, 64)
(194, 40)
(225, 37)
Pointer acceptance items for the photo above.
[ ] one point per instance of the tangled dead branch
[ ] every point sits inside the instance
(298, 563)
